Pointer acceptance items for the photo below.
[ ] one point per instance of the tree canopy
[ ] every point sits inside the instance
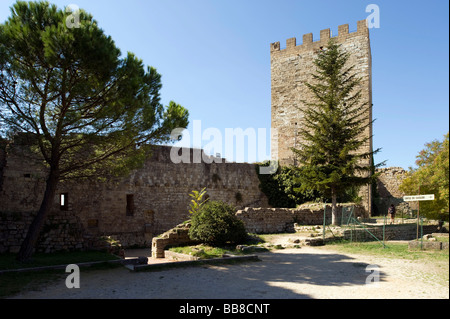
(431, 177)
(90, 110)
(332, 158)
(71, 88)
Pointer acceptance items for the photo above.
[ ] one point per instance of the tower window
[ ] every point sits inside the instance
(64, 201)
(130, 204)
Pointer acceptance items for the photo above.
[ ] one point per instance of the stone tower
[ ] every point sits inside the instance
(292, 67)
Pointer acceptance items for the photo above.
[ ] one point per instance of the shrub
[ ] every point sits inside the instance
(282, 188)
(216, 224)
(196, 202)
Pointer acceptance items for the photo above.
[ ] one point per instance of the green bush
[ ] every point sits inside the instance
(215, 224)
(282, 187)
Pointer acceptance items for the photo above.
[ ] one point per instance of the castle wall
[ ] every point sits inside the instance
(292, 67)
(280, 220)
(389, 181)
(146, 203)
(387, 191)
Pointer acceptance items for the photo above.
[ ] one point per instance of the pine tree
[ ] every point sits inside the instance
(89, 111)
(331, 159)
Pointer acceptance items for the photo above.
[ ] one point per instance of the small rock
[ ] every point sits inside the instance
(428, 236)
(246, 249)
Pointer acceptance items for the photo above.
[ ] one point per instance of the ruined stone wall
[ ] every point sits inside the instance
(60, 232)
(279, 220)
(389, 181)
(387, 191)
(179, 235)
(133, 209)
(292, 66)
(392, 232)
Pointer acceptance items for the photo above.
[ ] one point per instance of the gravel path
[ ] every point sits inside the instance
(308, 272)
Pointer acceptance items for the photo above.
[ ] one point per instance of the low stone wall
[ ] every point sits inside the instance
(279, 220)
(60, 232)
(132, 239)
(426, 245)
(176, 236)
(430, 242)
(392, 232)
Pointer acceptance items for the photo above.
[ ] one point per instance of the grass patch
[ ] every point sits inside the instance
(436, 262)
(391, 250)
(204, 251)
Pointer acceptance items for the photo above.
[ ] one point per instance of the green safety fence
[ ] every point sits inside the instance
(348, 220)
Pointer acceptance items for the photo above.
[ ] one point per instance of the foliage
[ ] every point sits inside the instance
(392, 250)
(349, 195)
(432, 176)
(281, 187)
(88, 111)
(335, 119)
(87, 107)
(238, 197)
(196, 202)
(205, 252)
(216, 224)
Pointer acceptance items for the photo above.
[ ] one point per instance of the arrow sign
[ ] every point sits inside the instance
(414, 198)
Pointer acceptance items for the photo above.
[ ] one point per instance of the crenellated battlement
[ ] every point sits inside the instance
(325, 35)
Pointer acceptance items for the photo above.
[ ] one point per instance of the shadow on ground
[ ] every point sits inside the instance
(280, 274)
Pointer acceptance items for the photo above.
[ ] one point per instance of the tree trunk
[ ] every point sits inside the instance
(334, 215)
(28, 245)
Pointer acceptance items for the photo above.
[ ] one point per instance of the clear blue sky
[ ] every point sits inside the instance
(214, 59)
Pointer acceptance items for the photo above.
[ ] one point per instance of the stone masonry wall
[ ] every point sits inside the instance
(133, 209)
(389, 181)
(387, 191)
(294, 65)
(159, 194)
(278, 220)
(178, 235)
(60, 232)
(397, 232)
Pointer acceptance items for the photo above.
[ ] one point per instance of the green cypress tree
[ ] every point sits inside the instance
(331, 159)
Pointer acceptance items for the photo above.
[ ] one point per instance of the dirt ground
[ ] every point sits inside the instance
(297, 273)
